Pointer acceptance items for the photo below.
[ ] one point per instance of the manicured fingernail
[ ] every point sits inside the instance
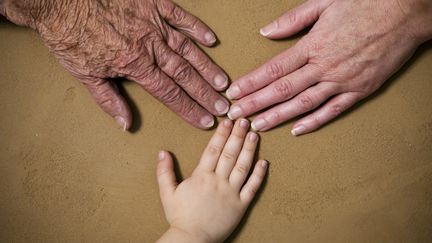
(227, 123)
(259, 124)
(221, 81)
(210, 38)
(161, 155)
(264, 164)
(207, 121)
(244, 123)
(253, 137)
(269, 29)
(298, 130)
(221, 106)
(121, 121)
(234, 113)
(233, 92)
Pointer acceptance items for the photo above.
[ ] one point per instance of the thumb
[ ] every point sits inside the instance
(296, 19)
(166, 175)
(106, 95)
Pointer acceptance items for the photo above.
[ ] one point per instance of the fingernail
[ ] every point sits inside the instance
(121, 121)
(264, 164)
(210, 38)
(207, 121)
(234, 113)
(161, 155)
(269, 29)
(233, 92)
(253, 137)
(244, 123)
(221, 80)
(259, 124)
(222, 107)
(298, 130)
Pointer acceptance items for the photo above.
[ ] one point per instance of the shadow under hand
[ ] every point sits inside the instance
(136, 114)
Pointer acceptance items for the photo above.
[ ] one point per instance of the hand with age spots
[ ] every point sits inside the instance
(147, 41)
(353, 47)
(209, 205)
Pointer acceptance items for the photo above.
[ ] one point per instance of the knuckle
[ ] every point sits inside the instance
(185, 47)
(188, 109)
(177, 13)
(228, 156)
(213, 150)
(171, 96)
(284, 89)
(242, 169)
(336, 109)
(275, 70)
(306, 102)
(204, 92)
(182, 73)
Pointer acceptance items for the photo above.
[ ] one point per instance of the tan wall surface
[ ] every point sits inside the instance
(68, 174)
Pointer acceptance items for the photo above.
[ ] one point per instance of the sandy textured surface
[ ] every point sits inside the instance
(68, 174)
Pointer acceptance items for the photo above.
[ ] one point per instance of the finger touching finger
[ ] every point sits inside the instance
(281, 90)
(187, 77)
(325, 114)
(214, 149)
(302, 103)
(279, 66)
(158, 84)
(244, 161)
(211, 72)
(254, 182)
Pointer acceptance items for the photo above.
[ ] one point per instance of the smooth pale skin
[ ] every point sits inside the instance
(353, 47)
(208, 206)
(146, 41)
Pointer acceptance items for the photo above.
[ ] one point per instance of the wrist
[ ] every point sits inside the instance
(178, 235)
(32, 12)
(419, 14)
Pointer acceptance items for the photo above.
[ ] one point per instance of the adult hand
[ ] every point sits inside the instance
(145, 41)
(208, 206)
(352, 49)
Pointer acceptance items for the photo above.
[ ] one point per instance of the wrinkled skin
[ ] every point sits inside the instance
(146, 41)
(353, 47)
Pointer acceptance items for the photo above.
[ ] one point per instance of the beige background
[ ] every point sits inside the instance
(68, 174)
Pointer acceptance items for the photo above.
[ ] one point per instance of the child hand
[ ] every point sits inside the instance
(208, 206)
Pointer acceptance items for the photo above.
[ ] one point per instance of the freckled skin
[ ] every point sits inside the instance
(135, 39)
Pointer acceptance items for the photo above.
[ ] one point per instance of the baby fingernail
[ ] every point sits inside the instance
(234, 113)
(221, 106)
(244, 123)
(210, 38)
(207, 121)
(298, 130)
(161, 155)
(264, 164)
(269, 29)
(121, 121)
(221, 80)
(259, 124)
(233, 92)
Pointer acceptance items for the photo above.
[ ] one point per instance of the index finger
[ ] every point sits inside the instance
(279, 66)
(188, 23)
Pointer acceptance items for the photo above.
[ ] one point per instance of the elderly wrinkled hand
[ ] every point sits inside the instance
(146, 41)
(352, 49)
